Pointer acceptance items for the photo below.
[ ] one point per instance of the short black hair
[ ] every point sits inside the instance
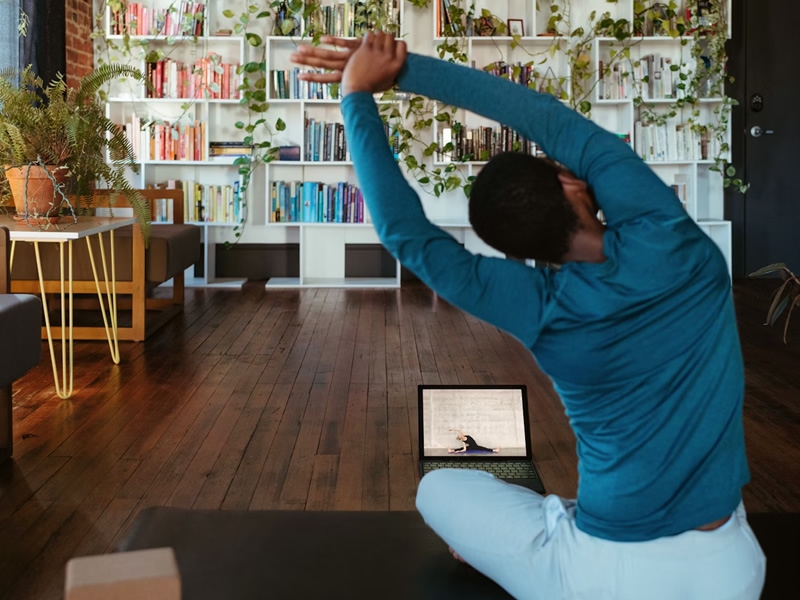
(517, 205)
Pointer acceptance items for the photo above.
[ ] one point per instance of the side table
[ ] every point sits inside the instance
(65, 234)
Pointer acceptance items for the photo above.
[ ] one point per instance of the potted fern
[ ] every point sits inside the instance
(57, 142)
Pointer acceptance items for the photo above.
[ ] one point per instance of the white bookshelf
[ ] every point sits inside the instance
(322, 246)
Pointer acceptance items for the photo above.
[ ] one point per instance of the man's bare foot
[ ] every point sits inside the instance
(496, 450)
(456, 555)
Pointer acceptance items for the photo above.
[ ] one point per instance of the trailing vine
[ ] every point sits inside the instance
(705, 35)
(414, 146)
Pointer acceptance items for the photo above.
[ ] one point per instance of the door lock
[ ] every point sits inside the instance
(757, 131)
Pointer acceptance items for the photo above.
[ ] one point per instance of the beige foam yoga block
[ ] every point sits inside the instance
(137, 575)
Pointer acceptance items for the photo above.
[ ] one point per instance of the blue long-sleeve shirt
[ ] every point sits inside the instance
(642, 348)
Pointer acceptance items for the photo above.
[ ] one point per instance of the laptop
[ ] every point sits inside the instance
(482, 427)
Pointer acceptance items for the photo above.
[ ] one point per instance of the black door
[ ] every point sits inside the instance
(766, 133)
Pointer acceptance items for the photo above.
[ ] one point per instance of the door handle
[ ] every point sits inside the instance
(757, 131)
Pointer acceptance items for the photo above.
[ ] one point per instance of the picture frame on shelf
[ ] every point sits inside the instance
(704, 10)
(516, 27)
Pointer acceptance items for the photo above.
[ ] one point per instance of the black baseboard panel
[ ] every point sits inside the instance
(262, 261)
(368, 260)
(258, 261)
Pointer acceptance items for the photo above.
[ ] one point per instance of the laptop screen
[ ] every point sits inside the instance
(473, 422)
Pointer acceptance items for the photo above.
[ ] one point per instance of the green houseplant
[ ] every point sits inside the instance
(60, 136)
(787, 295)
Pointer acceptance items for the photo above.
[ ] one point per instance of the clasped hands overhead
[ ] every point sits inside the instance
(370, 64)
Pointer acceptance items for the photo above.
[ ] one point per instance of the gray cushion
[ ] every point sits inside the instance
(173, 249)
(21, 346)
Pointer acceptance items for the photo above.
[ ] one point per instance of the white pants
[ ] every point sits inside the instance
(529, 544)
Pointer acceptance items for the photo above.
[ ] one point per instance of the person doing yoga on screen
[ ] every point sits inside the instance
(469, 444)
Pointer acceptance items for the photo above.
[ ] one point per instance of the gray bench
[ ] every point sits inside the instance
(20, 343)
(242, 555)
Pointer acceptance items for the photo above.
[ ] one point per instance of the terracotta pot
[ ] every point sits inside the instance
(43, 201)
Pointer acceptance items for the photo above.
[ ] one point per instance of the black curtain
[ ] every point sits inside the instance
(45, 45)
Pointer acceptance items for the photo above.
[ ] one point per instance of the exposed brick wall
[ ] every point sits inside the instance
(80, 54)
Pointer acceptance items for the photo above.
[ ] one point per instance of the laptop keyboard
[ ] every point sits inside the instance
(500, 469)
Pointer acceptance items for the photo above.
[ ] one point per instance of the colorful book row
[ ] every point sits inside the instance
(165, 141)
(287, 86)
(203, 203)
(181, 18)
(458, 143)
(673, 142)
(208, 78)
(324, 141)
(315, 202)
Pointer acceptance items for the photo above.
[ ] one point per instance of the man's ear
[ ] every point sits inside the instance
(567, 179)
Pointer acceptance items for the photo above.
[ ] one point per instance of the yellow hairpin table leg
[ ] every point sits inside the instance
(111, 294)
(65, 388)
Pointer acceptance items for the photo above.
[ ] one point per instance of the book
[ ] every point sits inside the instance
(289, 153)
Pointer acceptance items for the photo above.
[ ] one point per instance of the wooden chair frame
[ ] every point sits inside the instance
(140, 301)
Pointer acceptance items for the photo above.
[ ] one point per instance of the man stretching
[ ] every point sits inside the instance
(636, 329)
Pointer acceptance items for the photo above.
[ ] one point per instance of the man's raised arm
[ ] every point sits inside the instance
(505, 293)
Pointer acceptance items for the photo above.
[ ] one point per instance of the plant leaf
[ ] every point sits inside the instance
(768, 269)
(789, 316)
(779, 310)
(775, 301)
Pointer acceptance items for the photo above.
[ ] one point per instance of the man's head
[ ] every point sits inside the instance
(518, 206)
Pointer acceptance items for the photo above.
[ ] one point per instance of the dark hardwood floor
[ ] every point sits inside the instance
(300, 400)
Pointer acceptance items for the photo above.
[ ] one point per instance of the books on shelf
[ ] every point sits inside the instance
(207, 78)
(352, 18)
(458, 143)
(181, 18)
(673, 142)
(653, 74)
(680, 185)
(324, 141)
(315, 202)
(615, 81)
(176, 141)
(203, 203)
(445, 23)
(166, 141)
(393, 137)
(546, 82)
(289, 153)
(287, 86)
(518, 72)
(229, 149)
